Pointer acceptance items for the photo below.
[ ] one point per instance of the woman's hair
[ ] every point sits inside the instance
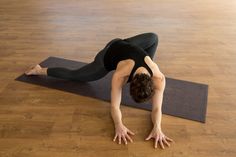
(141, 88)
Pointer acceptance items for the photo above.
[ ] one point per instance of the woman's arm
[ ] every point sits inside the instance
(116, 90)
(157, 101)
(156, 114)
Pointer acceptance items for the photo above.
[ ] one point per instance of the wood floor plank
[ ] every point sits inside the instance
(196, 42)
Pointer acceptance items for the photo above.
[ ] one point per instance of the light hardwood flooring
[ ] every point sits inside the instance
(197, 42)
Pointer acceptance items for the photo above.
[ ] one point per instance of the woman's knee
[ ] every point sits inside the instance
(153, 37)
(100, 56)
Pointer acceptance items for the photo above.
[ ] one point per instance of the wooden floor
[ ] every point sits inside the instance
(196, 43)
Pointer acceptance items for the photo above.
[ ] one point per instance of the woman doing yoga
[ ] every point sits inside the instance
(131, 58)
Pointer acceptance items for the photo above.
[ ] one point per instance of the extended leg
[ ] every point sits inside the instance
(90, 72)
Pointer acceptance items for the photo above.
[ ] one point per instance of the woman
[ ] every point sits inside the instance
(131, 59)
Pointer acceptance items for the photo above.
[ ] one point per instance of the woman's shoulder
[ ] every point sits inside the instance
(157, 74)
(124, 67)
(122, 72)
(154, 67)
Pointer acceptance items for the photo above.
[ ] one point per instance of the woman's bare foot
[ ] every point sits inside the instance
(35, 70)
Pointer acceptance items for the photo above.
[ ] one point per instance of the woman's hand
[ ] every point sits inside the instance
(159, 137)
(122, 133)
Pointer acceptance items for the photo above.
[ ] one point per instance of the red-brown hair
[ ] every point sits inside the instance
(141, 88)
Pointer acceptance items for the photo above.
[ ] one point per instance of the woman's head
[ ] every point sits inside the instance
(141, 88)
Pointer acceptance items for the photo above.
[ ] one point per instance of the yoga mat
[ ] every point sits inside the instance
(181, 98)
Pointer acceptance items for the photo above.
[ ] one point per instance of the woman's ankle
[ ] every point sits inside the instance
(43, 71)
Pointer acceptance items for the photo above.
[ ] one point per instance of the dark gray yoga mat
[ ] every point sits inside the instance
(181, 98)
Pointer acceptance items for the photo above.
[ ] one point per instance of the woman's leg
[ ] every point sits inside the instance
(90, 72)
(146, 41)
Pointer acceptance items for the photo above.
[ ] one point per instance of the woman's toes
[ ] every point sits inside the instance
(28, 72)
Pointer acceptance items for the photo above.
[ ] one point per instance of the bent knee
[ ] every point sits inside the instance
(153, 37)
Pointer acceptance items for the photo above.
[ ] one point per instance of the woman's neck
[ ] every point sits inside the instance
(141, 70)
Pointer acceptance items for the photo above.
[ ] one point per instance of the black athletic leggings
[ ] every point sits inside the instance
(96, 70)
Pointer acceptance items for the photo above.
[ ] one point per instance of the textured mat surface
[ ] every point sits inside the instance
(181, 98)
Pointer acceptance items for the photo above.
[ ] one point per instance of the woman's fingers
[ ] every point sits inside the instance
(115, 137)
(156, 141)
(123, 135)
(164, 140)
(119, 139)
(130, 132)
(124, 139)
(169, 139)
(129, 138)
(161, 144)
(149, 136)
